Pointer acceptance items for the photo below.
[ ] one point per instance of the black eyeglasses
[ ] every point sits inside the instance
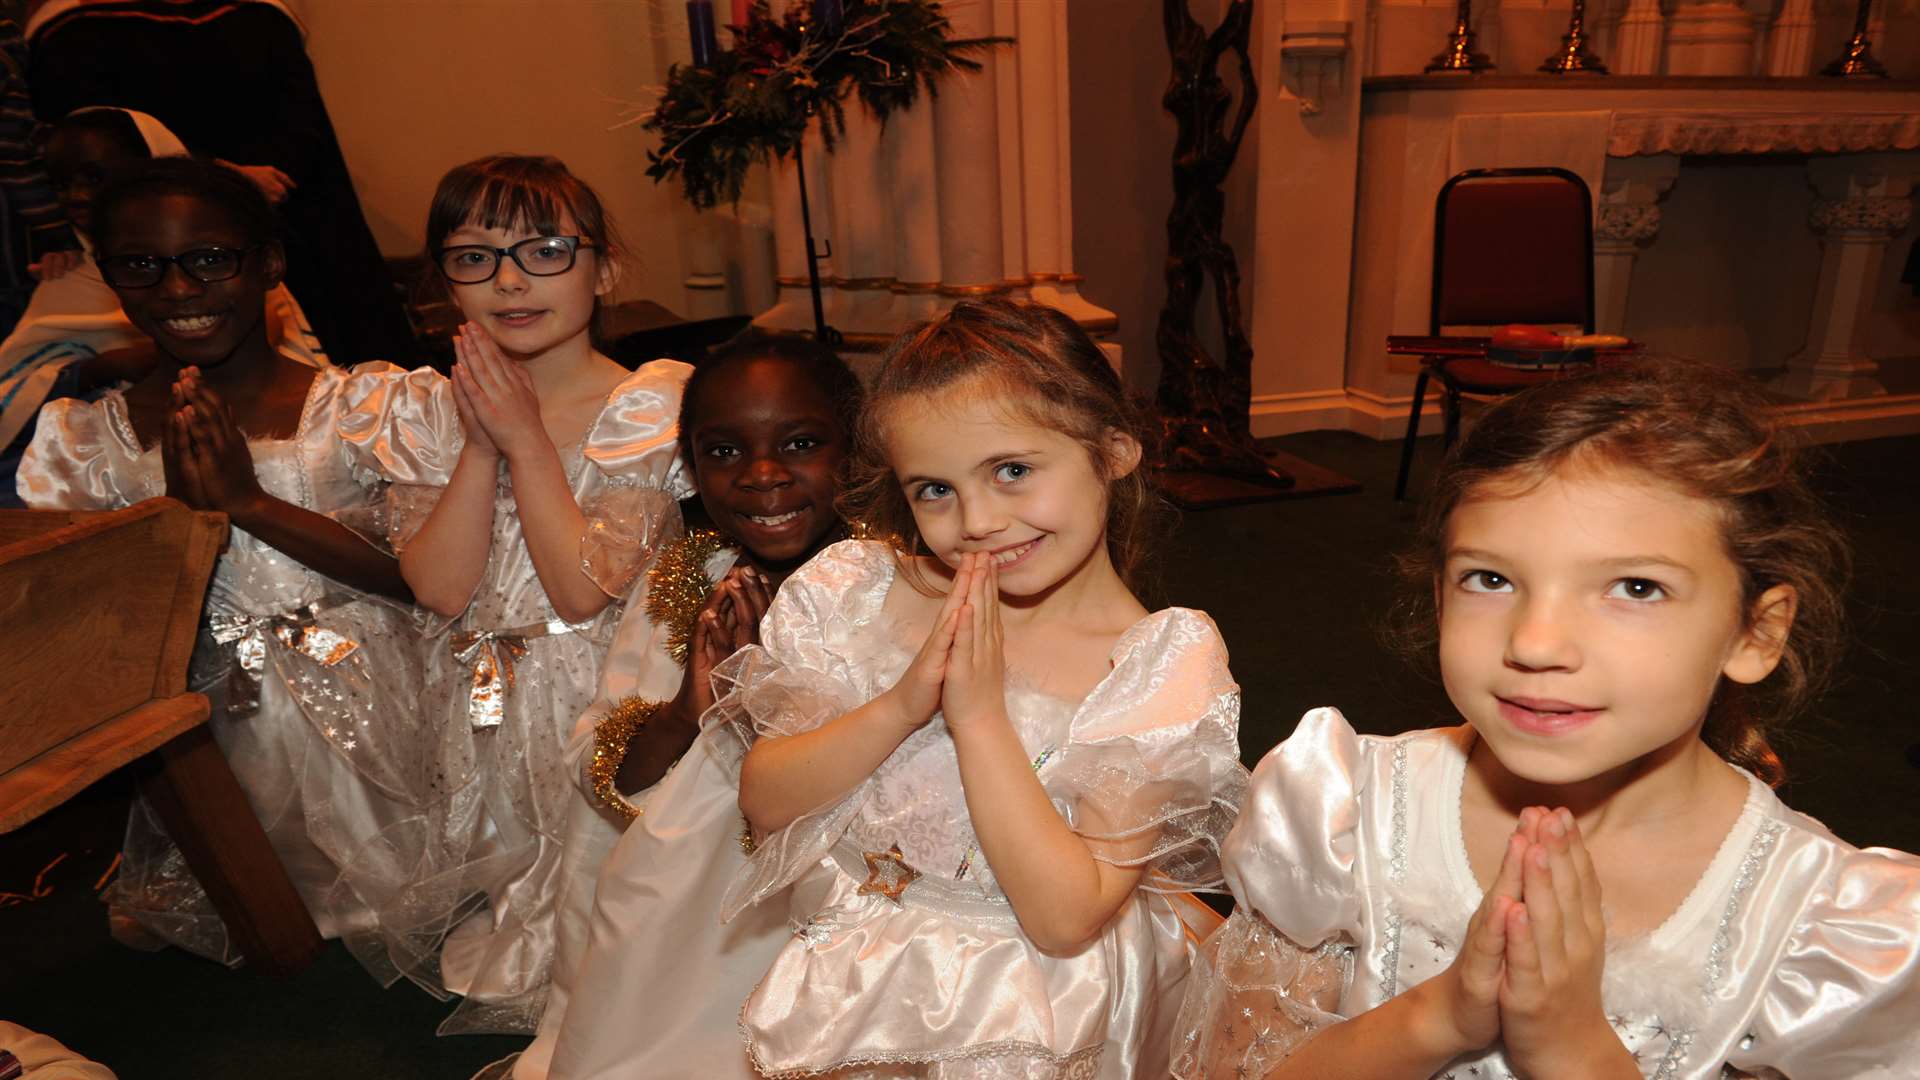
(540, 256)
(207, 264)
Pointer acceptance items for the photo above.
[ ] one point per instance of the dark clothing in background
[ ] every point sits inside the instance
(232, 79)
(30, 214)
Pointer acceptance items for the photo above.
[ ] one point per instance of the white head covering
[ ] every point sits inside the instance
(161, 141)
(52, 9)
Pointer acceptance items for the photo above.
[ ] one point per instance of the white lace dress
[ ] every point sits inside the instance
(942, 982)
(302, 670)
(1796, 954)
(507, 682)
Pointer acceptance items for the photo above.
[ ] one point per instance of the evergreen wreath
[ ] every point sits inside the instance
(753, 101)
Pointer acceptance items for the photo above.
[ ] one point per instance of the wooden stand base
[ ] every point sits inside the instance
(190, 787)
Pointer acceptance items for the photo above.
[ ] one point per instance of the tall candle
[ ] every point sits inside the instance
(740, 12)
(700, 31)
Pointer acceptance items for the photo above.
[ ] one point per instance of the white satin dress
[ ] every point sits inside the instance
(302, 670)
(507, 683)
(942, 982)
(652, 968)
(1796, 955)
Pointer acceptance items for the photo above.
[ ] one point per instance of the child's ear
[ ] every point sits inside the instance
(606, 272)
(1123, 454)
(273, 264)
(1758, 650)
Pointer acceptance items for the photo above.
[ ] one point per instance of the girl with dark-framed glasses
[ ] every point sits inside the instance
(521, 531)
(302, 661)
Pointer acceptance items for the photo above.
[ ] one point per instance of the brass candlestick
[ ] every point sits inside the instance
(1459, 54)
(1857, 59)
(1572, 56)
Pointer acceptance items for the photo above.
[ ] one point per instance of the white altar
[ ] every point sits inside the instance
(1759, 221)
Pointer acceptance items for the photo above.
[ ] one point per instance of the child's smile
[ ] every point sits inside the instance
(979, 479)
(1585, 622)
(766, 447)
(527, 314)
(196, 322)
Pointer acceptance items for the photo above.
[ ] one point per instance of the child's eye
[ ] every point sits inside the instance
(800, 444)
(721, 451)
(1485, 581)
(1637, 588)
(931, 492)
(1011, 471)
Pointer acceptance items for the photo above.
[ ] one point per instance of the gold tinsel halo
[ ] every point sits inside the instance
(678, 586)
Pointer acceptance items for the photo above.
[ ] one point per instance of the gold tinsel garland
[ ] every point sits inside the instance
(678, 587)
(610, 738)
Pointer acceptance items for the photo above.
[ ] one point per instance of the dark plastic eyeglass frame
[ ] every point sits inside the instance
(574, 244)
(107, 264)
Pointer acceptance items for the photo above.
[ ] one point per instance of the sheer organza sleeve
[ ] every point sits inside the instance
(1254, 997)
(1150, 774)
(798, 678)
(401, 429)
(84, 457)
(1275, 973)
(1844, 997)
(634, 448)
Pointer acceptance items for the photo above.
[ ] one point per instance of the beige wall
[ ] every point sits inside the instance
(392, 74)
(417, 86)
(1123, 173)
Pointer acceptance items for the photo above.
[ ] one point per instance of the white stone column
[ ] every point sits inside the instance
(863, 228)
(1039, 110)
(1857, 210)
(1640, 37)
(706, 280)
(1628, 221)
(1714, 37)
(967, 155)
(1790, 44)
(1008, 21)
(793, 306)
(1603, 19)
(908, 144)
(1049, 172)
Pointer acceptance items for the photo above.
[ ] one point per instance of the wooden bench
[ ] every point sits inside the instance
(98, 615)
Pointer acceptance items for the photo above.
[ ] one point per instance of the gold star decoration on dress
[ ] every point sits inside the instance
(887, 874)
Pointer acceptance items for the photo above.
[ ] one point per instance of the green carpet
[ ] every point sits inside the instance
(1297, 588)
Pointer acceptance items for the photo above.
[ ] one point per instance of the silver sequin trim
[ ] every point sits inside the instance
(1397, 870)
(1763, 841)
(1081, 1064)
(1757, 851)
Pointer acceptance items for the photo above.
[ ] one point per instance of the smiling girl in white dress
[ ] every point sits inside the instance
(1005, 761)
(1591, 877)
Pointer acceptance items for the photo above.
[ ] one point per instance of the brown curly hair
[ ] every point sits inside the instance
(1705, 431)
(1050, 373)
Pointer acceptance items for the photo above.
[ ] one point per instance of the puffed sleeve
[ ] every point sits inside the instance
(1273, 975)
(84, 457)
(1844, 998)
(795, 681)
(635, 448)
(401, 428)
(1151, 772)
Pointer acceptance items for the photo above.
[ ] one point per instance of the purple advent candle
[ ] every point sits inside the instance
(700, 31)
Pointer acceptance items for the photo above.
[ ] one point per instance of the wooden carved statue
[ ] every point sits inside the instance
(1203, 402)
